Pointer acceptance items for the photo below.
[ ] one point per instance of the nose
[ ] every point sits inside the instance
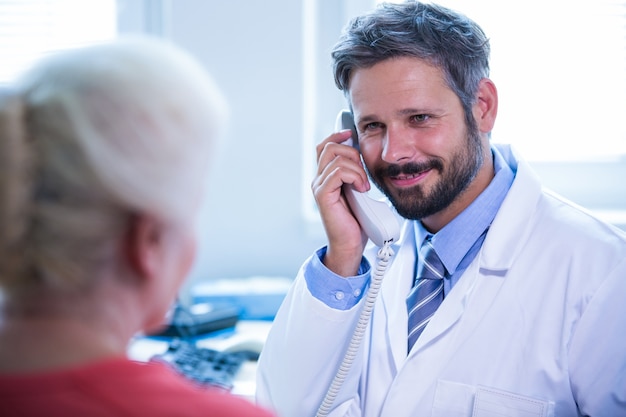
(397, 145)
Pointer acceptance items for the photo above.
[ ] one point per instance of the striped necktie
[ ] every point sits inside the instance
(427, 293)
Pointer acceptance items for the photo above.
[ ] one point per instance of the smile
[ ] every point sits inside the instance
(404, 180)
(408, 176)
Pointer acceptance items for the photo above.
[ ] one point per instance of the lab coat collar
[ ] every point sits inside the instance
(509, 231)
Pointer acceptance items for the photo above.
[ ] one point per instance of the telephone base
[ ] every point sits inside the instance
(187, 323)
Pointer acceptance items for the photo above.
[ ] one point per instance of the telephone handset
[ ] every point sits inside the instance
(375, 217)
(382, 227)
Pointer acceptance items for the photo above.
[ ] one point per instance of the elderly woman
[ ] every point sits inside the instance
(104, 156)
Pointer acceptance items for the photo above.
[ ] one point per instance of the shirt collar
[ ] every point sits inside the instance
(456, 239)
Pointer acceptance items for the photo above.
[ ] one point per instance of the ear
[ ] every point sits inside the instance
(144, 245)
(486, 107)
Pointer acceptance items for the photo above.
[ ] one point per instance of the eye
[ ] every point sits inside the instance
(372, 126)
(420, 118)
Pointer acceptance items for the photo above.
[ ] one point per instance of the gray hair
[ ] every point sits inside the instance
(442, 37)
(91, 137)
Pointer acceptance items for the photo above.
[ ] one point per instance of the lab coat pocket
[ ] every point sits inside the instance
(453, 399)
(490, 402)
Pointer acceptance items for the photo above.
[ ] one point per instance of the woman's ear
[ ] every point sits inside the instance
(486, 107)
(144, 246)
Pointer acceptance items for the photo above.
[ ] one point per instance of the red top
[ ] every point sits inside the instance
(116, 387)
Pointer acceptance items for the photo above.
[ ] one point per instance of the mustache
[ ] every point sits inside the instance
(411, 168)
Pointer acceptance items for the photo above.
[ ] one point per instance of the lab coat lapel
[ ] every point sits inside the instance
(482, 280)
(473, 289)
(509, 230)
(396, 286)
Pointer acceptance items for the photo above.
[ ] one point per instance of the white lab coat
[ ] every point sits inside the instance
(536, 326)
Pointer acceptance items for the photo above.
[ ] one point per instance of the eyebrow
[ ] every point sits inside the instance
(403, 112)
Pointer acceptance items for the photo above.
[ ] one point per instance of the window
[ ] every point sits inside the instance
(32, 28)
(560, 70)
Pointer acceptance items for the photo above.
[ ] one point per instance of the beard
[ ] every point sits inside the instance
(416, 202)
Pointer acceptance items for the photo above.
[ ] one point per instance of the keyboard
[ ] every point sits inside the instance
(203, 366)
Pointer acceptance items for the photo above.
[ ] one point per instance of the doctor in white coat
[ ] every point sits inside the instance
(533, 318)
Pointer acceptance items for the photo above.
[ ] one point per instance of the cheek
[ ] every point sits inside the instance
(190, 248)
(447, 141)
(370, 152)
(182, 255)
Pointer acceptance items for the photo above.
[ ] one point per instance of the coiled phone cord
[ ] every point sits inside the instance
(384, 255)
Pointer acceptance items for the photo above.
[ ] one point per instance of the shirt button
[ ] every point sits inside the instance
(339, 295)
(357, 292)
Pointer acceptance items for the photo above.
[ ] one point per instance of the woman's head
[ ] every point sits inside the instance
(89, 139)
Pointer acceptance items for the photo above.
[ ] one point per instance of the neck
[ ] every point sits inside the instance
(64, 332)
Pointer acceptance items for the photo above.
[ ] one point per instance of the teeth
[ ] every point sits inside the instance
(409, 176)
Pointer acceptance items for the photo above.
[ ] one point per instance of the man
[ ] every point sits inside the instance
(530, 287)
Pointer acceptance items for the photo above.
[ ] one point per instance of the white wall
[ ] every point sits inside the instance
(254, 223)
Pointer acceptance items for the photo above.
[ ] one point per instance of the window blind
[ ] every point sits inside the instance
(30, 29)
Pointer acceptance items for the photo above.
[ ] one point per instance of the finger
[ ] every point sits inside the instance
(331, 202)
(341, 170)
(338, 153)
(338, 137)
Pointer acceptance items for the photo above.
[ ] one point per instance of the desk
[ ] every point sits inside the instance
(246, 333)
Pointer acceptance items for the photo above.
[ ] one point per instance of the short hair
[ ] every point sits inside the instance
(91, 137)
(440, 36)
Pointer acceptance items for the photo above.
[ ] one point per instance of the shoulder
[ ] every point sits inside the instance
(157, 390)
(576, 226)
(119, 387)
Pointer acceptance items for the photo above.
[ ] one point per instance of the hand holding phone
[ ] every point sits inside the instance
(375, 217)
(381, 226)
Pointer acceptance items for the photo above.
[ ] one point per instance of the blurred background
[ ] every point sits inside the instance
(559, 65)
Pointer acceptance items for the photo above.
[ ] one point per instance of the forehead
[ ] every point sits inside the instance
(398, 80)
